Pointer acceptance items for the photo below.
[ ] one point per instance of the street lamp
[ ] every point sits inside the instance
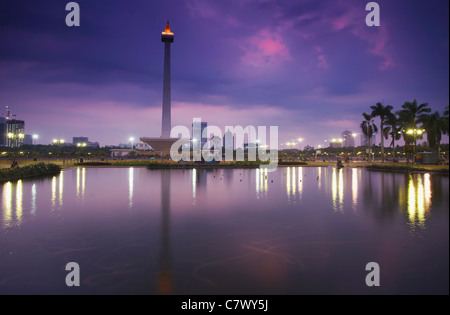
(415, 132)
(131, 142)
(81, 145)
(58, 142)
(13, 141)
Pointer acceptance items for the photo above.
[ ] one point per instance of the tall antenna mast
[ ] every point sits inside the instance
(8, 113)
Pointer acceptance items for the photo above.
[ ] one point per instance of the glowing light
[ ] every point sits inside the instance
(341, 190)
(130, 186)
(19, 199)
(300, 184)
(7, 203)
(61, 184)
(167, 30)
(419, 201)
(53, 192)
(354, 187)
(334, 189)
(33, 199)
(194, 184)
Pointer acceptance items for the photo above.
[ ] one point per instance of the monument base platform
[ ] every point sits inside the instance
(162, 145)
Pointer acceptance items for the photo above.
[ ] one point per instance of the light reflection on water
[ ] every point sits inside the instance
(208, 222)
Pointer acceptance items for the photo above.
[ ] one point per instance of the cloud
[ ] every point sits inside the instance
(205, 9)
(265, 49)
(353, 20)
(321, 59)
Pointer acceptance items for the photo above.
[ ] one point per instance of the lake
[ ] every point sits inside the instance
(298, 230)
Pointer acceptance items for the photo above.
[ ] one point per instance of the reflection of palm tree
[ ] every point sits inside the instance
(368, 128)
(379, 110)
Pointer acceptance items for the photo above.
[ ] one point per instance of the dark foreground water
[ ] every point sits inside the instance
(293, 231)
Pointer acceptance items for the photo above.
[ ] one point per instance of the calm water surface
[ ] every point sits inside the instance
(294, 231)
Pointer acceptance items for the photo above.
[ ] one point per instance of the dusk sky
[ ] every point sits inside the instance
(310, 67)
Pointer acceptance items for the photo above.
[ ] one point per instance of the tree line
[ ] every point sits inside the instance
(411, 122)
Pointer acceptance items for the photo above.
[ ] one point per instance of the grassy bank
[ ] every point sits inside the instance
(406, 168)
(34, 170)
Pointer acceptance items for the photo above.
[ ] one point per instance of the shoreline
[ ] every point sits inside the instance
(378, 167)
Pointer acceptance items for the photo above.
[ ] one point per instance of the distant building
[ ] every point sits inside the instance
(17, 129)
(93, 144)
(28, 139)
(141, 146)
(365, 140)
(348, 139)
(336, 143)
(76, 140)
(2, 131)
(228, 141)
(197, 133)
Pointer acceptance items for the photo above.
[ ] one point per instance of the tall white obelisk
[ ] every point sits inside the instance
(164, 143)
(167, 39)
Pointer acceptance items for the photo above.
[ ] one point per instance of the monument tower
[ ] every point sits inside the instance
(164, 143)
(167, 39)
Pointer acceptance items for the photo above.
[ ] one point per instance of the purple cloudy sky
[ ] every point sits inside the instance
(310, 67)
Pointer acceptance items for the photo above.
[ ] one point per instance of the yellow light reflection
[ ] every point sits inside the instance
(78, 181)
(130, 186)
(294, 182)
(419, 200)
(257, 180)
(319, 175)
(194, 183)
(83, 181)
(53, 192)
(300, 183)
(19, 199)
(288, 182)
(427, 186)
(261, 183)
(354, 187)
(264, 179)
(33, 199)
(341, 190)
(334, 189)
(61, 184)
(6, 204)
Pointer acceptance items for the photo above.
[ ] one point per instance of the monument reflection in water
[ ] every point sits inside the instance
(293, 231)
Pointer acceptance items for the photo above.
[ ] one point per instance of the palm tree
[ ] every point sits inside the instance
(368, 128)
(379, 110)
(434, 126)
(445, 121)
(394, 129)
(408, 117)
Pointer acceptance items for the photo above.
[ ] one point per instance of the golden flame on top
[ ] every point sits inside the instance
(167, 30)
